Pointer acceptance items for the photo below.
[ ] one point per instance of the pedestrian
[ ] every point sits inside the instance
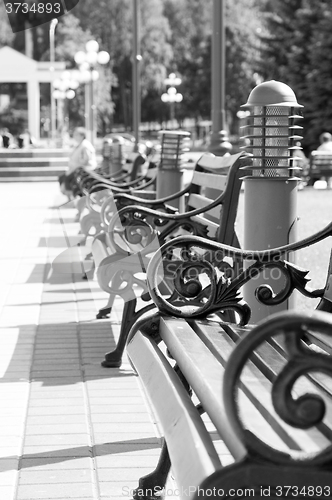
(325, 142)
(25, 140)
(7, 138)
(83, 155)
(303, 164)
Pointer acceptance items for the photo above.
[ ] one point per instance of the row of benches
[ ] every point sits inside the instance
(266, 389)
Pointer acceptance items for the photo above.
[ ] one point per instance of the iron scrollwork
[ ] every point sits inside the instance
(225, 281)
(301, 412)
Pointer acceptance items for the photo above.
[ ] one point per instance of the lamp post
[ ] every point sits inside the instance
(87, 62)
(137, 58)
(172, 95)
(219, 140)
(64, 88)
(53, 25)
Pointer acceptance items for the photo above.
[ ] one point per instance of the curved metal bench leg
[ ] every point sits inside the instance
(105, 311)
(151, 486)
(113, 359)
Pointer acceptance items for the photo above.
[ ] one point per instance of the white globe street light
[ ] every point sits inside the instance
(87, 62)
(64, 89)
(172, 95)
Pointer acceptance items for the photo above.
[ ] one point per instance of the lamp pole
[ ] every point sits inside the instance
(219, 141)
(53, 25)
(172, 95)
(136, 93)
(64, 90)
(87, 62)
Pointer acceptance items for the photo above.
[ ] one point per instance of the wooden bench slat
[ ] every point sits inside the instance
(258, 388)
(214, 181)
(199, 201)
(209, 380)
(196, 457)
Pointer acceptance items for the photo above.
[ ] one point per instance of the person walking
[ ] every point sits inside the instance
(83, 155)
(325, 142)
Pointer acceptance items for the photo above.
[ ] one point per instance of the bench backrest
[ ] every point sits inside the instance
(212, 175)
(321, 163)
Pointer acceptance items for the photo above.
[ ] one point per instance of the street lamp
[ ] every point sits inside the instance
(64, 89)
(219, 140)
(87, 62)
(53, 25)
(172, 95)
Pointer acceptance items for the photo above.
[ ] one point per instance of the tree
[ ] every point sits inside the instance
(6, 34)
(297, 51)
(191, 25)
(112, 25)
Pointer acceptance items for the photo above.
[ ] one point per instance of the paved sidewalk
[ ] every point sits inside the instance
(68, 427)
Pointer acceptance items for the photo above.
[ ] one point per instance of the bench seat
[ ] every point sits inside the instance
(266, 388)
(203, 352)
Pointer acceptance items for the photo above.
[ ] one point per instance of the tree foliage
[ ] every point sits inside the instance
(296, 49)
(286, 40)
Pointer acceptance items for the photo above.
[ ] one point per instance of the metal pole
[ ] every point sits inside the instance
(53, 24)
(136, 76)
(219, 141)
(86, 105)
(91, 110)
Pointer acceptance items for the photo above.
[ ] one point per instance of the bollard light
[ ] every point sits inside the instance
(270, 184)
(170, 170)
(272, 130)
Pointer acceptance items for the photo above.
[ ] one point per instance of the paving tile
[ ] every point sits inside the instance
(8, 477)
(8, 464)
(56, 451)
(36, 420)
(7, 491)
(122, 474)
(127, 460)
(123, 428)
(55, 463)
(57, 410)
(113, 408)
(55, 491)
(111, 490)
(8, 452)
(64, 439)
(120, 417)
(62, 402)
(52, 476)
(56, 428)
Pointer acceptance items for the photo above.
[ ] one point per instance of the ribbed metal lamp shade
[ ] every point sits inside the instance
(271, 129)
(173, 146)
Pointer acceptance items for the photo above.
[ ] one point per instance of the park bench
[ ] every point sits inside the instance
(94, 188)
(320, 165)
(265, 391)
(122, 254)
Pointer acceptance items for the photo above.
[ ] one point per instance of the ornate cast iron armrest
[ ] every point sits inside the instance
(135, 223)
(149, 212)
(160, 201)
(96, 197)
(185, 259)
(289, 331)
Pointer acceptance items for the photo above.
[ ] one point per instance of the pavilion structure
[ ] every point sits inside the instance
(18, 68)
